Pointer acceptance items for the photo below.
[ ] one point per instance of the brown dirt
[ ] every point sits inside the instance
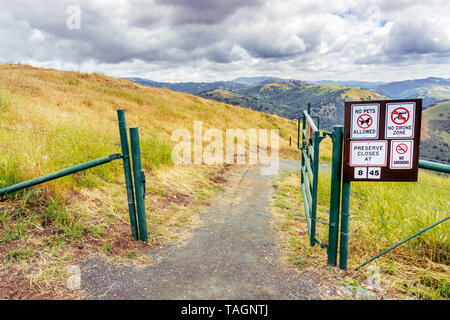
(12, 286)
(6, 247)
(181, 199)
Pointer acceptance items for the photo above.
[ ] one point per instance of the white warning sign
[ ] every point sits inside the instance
(364, 121)
(368, 153)
(400, 120)
(401, 154)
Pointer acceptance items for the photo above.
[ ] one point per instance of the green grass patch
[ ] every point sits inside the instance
(155, 151)
(67, 223)
(19, 254)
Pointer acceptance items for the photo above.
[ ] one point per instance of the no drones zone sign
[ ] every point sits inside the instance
(382, 140)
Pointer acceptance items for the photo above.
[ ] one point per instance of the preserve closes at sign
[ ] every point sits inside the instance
(400, 120)
(364, 121)
(401, 154)
(367, 172)
(368, 153)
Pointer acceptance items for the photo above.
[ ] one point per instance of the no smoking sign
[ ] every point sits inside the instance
(401, 154)
(400, 120)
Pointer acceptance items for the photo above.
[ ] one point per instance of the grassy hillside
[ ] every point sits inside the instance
(289, 98)
(237, 99)
(51, 120)
(436, 132)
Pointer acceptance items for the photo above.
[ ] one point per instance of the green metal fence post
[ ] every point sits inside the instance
(336, 167)
(345, 215)
(139, 183)
(127, 172)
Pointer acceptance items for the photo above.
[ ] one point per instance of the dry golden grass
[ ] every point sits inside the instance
(358, 93)
(52, 120)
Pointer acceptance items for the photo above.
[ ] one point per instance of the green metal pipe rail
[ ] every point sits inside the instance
(59, 174)
(434, 166)
(403, 241)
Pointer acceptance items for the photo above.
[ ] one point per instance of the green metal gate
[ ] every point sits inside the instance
(311, 136)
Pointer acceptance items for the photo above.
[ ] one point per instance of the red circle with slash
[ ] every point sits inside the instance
(402, 115)
(401, 148)
(365, 123)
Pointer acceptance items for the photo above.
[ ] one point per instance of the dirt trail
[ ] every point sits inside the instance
(233, 255)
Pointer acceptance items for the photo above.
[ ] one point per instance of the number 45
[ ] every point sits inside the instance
(374, 173)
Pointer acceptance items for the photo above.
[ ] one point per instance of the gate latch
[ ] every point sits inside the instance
(142, 176)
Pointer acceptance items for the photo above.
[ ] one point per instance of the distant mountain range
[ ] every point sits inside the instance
(351, 83)
(287, 97)
(431, 89)
(192, 87)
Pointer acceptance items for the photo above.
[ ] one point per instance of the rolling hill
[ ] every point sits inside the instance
(255, 81)
(289, 98)
(236, 85)
(435, 137)
(283, 97)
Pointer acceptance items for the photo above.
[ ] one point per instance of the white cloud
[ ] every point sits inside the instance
(201, 40)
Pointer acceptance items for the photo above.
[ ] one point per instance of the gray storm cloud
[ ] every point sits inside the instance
(218, 39)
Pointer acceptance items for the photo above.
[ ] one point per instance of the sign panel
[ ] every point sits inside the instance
(400, 120)
(368, 153)
(401, 154)
(365, 121)
(382, 140)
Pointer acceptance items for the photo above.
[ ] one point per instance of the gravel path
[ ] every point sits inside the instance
(233, 255)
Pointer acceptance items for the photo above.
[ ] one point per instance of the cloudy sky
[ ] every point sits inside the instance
(206, 40)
